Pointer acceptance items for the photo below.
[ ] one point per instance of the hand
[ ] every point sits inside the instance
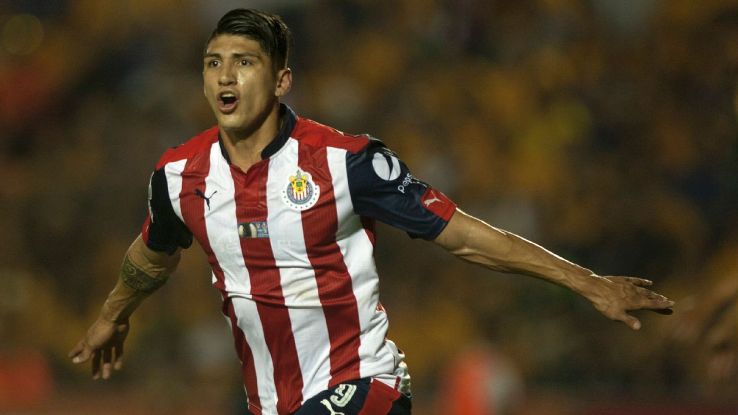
(615, 296)
(104, 343)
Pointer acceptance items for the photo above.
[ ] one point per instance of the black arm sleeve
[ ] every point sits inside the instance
(383, 188)
(163, 230)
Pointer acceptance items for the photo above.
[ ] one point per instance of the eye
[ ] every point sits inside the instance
(212, 64)
(245, 62)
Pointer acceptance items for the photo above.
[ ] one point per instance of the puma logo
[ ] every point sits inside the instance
(199, 192)
(429, 202)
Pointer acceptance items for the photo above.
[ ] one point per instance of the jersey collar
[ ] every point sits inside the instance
(287, 120)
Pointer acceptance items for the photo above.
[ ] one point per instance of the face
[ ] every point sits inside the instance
(240, 83)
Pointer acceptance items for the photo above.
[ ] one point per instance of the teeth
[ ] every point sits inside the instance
(227, 95)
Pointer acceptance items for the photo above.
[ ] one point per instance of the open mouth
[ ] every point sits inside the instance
(227, 102)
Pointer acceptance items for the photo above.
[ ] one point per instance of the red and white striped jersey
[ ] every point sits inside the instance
(291, 244)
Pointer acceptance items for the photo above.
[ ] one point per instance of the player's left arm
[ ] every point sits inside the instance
(475, 241)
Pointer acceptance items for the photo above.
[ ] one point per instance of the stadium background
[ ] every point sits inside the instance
(605, 130)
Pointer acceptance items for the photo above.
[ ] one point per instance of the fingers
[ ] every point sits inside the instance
(661, 306)
(630, 293)
(118, 356)
(107, 365)
(103, 344)
(97, 356)
(641, 282)
(631, 322)
(624, 317)
(653, 301)
(103, 362)
(122, 332)
(80, 353)
(636, 295)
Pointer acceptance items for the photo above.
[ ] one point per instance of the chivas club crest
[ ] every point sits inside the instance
(301, 192)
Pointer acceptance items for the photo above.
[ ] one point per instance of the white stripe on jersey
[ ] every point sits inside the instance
(374, 356)
(221, 225)
(247, 317)
(173, 173)
(300, 289)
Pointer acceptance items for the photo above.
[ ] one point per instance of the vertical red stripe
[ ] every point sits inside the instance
(379, 399)
(320, 224)
(251, 206)
(193, 211)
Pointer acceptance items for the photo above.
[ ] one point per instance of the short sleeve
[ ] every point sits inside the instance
(382, 187)
(163, 230)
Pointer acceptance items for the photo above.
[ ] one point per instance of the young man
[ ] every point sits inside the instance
(284, 207)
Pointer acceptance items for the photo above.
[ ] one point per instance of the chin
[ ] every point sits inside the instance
(230, 123)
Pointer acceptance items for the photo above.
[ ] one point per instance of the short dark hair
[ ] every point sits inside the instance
(268, 29)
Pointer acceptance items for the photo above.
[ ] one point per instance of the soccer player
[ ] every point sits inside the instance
(284, 208)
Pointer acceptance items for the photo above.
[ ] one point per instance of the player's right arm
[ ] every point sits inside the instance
(147, 264)
(143, 271)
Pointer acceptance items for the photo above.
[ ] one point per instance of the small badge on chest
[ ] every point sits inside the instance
(253, 230)
(300, 192)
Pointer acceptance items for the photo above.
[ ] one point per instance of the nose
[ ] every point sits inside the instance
(226, 75)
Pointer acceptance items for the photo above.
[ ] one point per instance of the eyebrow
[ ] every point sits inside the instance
(234, 55)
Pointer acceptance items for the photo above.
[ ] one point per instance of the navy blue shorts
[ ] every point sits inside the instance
(358, 397)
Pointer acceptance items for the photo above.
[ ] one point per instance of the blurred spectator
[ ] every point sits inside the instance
(709, 324)
(480, 381)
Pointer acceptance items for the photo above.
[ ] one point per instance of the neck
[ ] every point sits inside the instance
(244, 146)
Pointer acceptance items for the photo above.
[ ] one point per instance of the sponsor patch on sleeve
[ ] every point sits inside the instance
(438, 203)
(386, 165)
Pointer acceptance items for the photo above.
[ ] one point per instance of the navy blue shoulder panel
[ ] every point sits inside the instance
(382, 187)
(166, 231)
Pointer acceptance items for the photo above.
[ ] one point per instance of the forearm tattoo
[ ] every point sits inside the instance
(137, 279)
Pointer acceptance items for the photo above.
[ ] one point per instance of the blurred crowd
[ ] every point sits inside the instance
(604, 130)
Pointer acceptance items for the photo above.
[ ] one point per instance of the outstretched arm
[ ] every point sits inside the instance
(475, 241)
(143, 271)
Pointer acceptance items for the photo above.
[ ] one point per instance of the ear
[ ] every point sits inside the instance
(284, 82)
